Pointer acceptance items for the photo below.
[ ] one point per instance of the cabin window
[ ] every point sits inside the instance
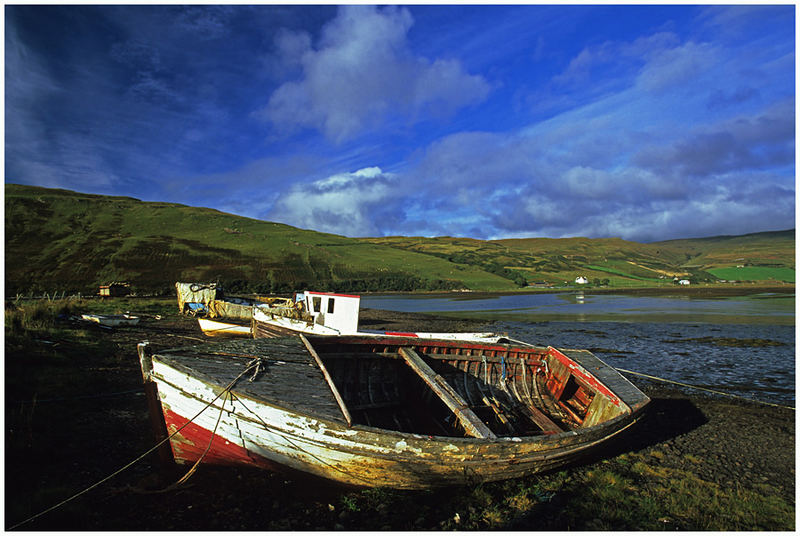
(316, 306)
(330, 306)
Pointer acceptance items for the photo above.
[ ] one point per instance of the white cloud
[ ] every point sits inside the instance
(339, 204)
(362, 74)
(676, 66)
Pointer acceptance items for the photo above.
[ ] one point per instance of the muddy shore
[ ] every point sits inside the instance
(62, 438)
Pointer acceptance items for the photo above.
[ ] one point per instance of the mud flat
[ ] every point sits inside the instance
(74, 415)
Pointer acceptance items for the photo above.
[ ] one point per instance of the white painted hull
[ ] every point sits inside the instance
(212, 328)
(224, 422)
(356, 456)
(271, 325)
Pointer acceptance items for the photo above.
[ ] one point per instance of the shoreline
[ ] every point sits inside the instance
(719, 444)
(710, 291)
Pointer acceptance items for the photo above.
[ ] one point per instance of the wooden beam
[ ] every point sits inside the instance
(328, 379)
(471, 423)
(544, 422)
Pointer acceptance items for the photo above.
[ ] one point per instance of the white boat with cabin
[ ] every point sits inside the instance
(327, 313)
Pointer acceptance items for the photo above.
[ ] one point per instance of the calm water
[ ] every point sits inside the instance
(742, 345)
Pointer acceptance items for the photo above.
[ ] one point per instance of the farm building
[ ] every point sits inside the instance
(115, 289)
(580, 280)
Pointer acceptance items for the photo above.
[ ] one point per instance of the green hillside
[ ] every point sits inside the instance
(61, 240)
(612, 262)
(773, 249)
(58, 240)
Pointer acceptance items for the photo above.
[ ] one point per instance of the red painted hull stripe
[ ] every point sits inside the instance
(589, 379)
(191, 442)
(401, 334)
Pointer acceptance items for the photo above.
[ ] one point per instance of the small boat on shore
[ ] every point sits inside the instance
(327, 313)
(215, 328)
(112, 320)
(403, 413)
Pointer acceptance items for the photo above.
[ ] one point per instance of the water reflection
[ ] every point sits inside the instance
(760, 308)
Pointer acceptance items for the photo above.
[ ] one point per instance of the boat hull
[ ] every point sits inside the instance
(264, 328)
(236, 428)
(272, 437)
(212, 328)
(266, 325)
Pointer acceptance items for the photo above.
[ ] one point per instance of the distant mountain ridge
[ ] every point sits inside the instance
(59, 240)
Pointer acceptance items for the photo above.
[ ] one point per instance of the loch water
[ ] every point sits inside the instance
(742, 345)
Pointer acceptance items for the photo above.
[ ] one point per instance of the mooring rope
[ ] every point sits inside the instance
(704, 389)
(191, 471)
(295, 445)
(225, 391)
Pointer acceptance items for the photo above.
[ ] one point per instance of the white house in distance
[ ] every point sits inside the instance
(580, 280)
(683, 282)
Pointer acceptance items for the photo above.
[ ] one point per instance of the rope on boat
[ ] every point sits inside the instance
(225, 391)
(704, 389)
(191, 471)
(295, 445)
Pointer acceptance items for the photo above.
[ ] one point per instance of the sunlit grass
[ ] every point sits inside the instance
(631, 492)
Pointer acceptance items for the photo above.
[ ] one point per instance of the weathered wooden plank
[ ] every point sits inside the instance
(362, 355)
(471, 423)
(544, 422)
(290, 379)
(328, 378)
(606, 375)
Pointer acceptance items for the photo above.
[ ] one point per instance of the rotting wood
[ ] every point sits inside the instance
(500, 415)
(328, 379)
(471, 423)
(374, 456)
(544, 422)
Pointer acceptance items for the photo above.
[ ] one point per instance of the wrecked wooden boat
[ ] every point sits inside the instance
(328, 313)
(215, 328)
(388, 412)
(112, 321)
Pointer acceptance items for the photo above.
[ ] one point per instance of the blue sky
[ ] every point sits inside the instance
(634, 121)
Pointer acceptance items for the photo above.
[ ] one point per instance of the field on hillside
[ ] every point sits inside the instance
(754, 273)
(78, 242)
(62, 241)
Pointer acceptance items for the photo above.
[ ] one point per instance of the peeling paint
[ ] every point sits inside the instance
(254, 430)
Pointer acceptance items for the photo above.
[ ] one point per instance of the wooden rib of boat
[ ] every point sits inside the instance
(389, 412)
(112, 320)
(215, 328)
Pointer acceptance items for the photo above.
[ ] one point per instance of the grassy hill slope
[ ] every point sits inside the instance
(61, 240)
(762, 249)
(57, 239)
(612, 261)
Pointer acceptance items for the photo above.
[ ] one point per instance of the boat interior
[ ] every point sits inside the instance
(457, 389)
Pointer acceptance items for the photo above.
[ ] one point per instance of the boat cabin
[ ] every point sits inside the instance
(336, 311)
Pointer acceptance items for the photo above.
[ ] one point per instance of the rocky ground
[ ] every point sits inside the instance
(74, 435)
